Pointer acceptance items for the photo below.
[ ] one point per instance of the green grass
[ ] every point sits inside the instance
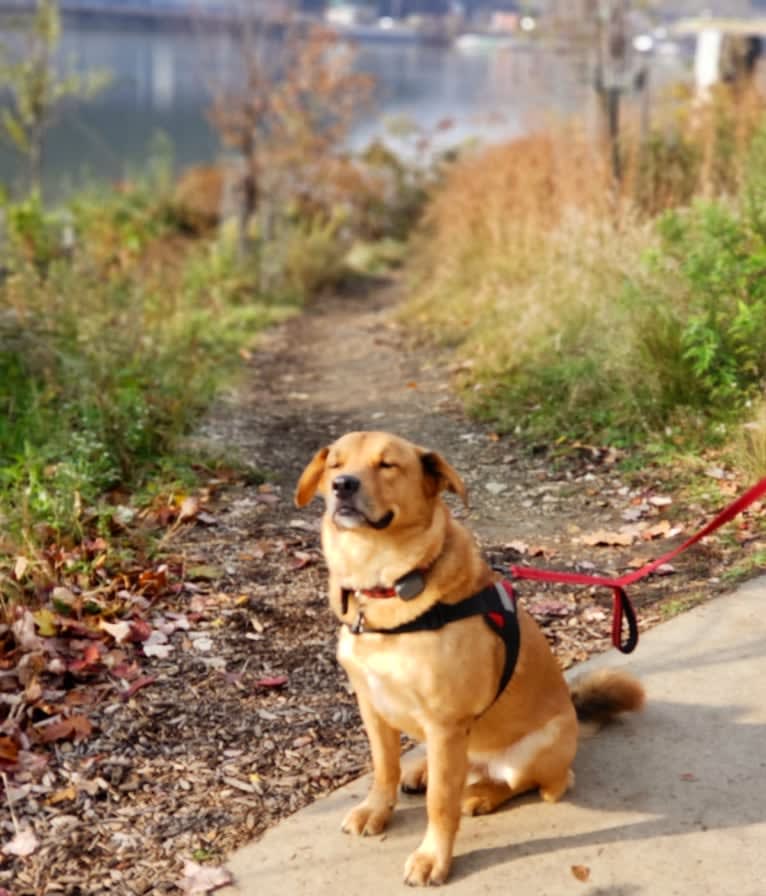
(109, 353)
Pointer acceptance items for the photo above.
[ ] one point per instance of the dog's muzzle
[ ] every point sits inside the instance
(346, 509)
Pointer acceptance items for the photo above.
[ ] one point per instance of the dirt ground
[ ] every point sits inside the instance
(244, 715)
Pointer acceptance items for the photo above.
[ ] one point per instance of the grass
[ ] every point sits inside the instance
(109, 351)
(675, 606)
(633, 317)
(752, 564)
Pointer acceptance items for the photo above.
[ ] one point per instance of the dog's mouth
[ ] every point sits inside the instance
(350, 517)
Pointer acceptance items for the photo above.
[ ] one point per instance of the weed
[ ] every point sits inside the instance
(677, 605)
(746, 568)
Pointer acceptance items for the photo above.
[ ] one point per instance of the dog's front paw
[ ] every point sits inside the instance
(366, 820)
(423, 869)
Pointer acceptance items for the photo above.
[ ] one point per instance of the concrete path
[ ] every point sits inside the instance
(671, 802)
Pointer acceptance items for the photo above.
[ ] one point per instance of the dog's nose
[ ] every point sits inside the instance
(345, 486)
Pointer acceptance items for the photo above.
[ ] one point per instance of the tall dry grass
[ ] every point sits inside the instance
(538, 269)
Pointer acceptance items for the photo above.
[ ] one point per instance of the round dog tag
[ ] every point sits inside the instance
(411, 585)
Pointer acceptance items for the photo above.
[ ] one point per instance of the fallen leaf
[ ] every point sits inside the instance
(189, 509)
(140, 630)
(47, 622)
(156, 644)
(137, 685)
(199, 879)
(581, 872)
(267, 499)
(20, 567)
(24, 631)
(302, 560)
(120, 631)
(688, 776)
(23, 844)
(9, 750)
(658, 530)
(276, 681)
(610, 539)
(202, 644)
(76, 727)
(547, 607)
(67, 794)
(63, 599)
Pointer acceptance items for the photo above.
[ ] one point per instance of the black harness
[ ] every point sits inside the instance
(496, 604)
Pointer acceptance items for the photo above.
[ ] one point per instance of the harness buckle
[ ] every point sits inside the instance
(358, 627)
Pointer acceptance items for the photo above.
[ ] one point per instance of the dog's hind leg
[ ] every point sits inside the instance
(415, 777)
(484, 797)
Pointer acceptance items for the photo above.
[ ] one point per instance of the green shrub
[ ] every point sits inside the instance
(110, 350)
(603, 326)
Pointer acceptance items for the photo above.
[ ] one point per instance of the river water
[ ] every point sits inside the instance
(161, 85)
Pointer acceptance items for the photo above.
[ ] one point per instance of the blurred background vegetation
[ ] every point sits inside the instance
(604, 283)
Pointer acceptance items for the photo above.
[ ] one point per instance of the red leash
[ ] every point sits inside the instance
(622, 608)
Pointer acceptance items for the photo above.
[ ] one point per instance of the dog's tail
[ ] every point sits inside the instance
(600, 696)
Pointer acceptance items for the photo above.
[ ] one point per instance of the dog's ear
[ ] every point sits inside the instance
(309, 481)
(442, 475)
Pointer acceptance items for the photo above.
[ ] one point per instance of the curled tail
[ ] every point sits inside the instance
(600, 696)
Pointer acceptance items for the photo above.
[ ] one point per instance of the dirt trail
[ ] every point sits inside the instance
(245, 715)
(348, 364)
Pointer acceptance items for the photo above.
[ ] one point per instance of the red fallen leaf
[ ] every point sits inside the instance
(9, 749)
(137, 685)
(688, 776)
(277, 681)
(75, 727)
(154, 579)
(91, 658)
(126, 671)
(581, 872)
(550, 608)
(302, 560)
(140, 630)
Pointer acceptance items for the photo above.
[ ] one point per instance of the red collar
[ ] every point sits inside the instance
(407, 587)
(379, 592)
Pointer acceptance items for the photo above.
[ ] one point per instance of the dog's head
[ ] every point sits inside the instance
(377, 481)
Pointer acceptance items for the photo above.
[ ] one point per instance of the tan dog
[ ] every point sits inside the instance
(398, 559)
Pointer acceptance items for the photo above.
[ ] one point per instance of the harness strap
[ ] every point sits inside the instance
(496, 604)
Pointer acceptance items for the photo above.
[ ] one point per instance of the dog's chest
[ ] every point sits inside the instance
(390, 683)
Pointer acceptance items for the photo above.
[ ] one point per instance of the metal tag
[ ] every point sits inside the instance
(411, 585)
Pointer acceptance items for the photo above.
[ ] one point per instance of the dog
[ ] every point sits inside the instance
(435, 646)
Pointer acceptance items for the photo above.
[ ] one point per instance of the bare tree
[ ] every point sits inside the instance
(286, 110)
